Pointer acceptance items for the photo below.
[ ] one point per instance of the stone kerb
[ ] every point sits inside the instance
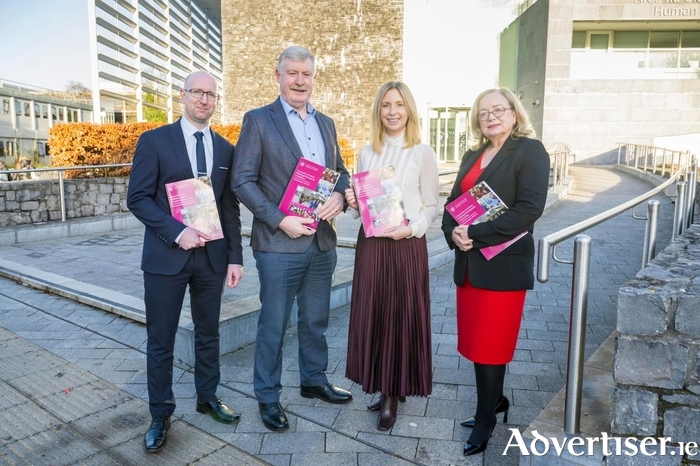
(656, 369)
(36, 201)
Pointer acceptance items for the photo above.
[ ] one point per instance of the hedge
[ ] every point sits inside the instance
(79, 144)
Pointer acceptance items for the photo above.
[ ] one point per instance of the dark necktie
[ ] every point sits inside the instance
(201, 159)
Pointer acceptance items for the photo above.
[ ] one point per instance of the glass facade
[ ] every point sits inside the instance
(144, 50)
(637, 53)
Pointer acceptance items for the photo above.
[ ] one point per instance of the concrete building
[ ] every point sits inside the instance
(27, 113)
(599, 72)
(142, 51)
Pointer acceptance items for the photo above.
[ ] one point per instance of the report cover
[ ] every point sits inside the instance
(379, 200)
(480, 204)
(308, 189)
(192, 202)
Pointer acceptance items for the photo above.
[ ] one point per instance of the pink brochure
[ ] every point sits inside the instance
(309, 188)
(192, 202)
(379, 200)
(480, 204)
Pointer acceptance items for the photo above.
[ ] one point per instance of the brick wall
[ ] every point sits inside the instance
(358, 46)
(657, 357)
(25, 202)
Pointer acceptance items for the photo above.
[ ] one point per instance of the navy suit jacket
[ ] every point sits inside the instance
(160, 158)
(519, 175)
(266, 155)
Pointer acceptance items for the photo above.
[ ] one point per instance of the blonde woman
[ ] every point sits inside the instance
(389, 348)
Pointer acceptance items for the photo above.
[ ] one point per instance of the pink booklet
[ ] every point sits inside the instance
(309, 188)
(192, 202)
(379, 200)
(480, 204)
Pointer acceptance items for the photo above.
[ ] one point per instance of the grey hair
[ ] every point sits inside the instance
(295, 53)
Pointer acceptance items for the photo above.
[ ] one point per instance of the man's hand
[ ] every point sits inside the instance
(192, 238)
(350, 197)
(296, 227)
(397, 232)
(234, 274)
(332, 207)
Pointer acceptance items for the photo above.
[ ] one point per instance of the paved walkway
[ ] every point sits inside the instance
(74, 384)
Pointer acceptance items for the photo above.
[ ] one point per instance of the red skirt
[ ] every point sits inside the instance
(488, 323)
(389, 340)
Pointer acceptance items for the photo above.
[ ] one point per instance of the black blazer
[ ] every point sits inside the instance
(519, 174)
(160, 158)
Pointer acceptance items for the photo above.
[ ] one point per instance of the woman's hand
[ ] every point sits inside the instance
(350, 198)
(397, 232)
(461, 239)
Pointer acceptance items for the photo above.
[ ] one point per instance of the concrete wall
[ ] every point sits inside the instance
(657, 357)
(35, 201)
(358, 45)
(592, 115)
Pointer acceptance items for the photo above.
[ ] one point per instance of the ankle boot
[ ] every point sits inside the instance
(387, 413)
(376, 404)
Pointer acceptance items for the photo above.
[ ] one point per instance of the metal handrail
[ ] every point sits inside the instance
(581, 259)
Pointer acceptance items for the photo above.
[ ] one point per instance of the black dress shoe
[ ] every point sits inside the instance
(218, 411)
(273, 416)
(157, 434)
(327, 393)
(502, 407)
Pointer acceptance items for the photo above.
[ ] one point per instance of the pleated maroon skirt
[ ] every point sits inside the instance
(389, 348)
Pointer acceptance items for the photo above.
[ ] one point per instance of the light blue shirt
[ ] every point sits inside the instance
(306, 132)
(188, 129)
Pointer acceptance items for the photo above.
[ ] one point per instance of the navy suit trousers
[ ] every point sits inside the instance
(164, 295)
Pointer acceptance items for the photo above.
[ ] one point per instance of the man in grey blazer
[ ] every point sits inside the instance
(293, 261)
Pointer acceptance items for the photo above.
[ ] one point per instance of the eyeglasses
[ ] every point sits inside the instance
(198, 93)
(496, 112)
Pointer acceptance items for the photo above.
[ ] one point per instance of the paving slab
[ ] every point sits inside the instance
(91, 346)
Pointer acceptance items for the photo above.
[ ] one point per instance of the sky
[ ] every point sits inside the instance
(45, 42)
(450, 46)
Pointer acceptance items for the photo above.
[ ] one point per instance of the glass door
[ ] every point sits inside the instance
(449, 132)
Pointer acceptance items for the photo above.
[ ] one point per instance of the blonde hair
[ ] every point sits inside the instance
(522, 127)
(376, 130)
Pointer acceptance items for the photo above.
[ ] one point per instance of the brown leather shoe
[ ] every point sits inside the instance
(376, 404)
(387, 413)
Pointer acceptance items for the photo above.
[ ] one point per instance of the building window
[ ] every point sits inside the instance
(630, 40)
(45, 111)
(2, 149)
(60, 114)
(53, 113)
(5, 106)
(37, 111)
(18, 107)
(27, 109)
(578, 40)
(41, 149)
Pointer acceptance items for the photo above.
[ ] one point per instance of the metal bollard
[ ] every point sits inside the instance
(678, 215)
(577, 334)
(649, 251)
(62, 195)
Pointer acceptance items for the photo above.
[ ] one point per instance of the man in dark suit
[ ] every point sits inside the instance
(293, 260)
(175, 256)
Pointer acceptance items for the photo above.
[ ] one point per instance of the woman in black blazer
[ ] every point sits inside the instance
(491, 293)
